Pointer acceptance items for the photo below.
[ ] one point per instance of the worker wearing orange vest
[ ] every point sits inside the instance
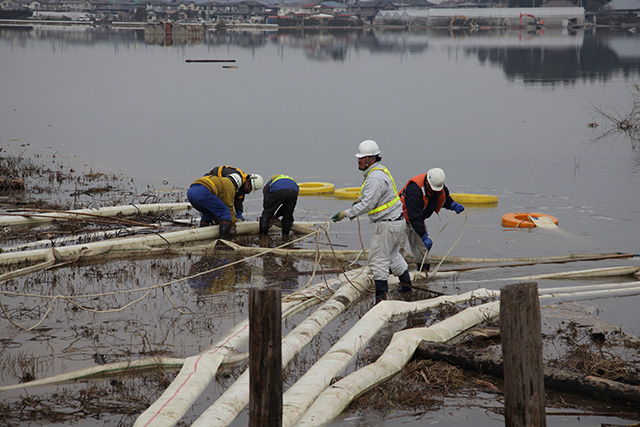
(379, 199)
(421, 197)
(213, 197)
(280, 196)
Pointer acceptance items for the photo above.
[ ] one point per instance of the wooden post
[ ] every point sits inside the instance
(521, 337)
(265, 358)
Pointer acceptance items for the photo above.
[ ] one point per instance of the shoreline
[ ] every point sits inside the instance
(210, 26)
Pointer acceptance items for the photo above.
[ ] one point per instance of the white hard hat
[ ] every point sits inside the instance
(236, 179)
(435, 177)
(256, 181)
(368, 148)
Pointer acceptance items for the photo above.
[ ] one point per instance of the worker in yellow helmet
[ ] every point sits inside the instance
(380, 201)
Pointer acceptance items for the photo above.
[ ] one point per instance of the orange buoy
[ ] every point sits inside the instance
(523, 219)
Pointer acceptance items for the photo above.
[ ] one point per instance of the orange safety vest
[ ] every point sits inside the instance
(425, 195)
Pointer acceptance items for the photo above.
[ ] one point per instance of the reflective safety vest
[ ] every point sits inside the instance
(208, 182)
(277, 177)
(223, 171)
(395, 191)
(419, 180)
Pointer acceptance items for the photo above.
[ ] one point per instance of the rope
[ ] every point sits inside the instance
(323, 228)
(148, 289)
(452, 246)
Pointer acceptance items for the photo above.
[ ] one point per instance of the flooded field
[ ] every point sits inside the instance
(551, 153)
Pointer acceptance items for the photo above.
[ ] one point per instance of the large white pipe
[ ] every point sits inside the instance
(294, 302)
(132, 243)
(335, 398)
(228, 406)
(100, 370)
(195, 376)
(29, 219)
(332, 401)
(302, 394)
(627, 270)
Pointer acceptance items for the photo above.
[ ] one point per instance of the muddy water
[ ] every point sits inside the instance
(503, 113)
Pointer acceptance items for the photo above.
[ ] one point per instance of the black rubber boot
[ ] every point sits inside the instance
(405, 279)
(205, 223)
(264, 226)
(382, 287)
(425, 268)
(225, 229)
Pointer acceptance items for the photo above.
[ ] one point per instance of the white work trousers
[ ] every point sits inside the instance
(418, 249)
(384, 252)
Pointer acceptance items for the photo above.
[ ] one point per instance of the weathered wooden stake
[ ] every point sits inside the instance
(265, 358)
(521, 337)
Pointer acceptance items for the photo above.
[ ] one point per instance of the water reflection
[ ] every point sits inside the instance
(545, 57)
(170, 40)
(280, 271)
(216, 274)
(564, 58)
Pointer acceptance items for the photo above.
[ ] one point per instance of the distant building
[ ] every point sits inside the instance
(558, 3)
(624, 6)
(291, 9)
(493, 17)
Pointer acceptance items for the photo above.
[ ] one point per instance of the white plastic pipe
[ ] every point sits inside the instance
(132, 243)
(594, 272)
(302, 394)
(228, 406)
(403, 344)
(195, 376)
(300, 299)
(583, 288)
(94, 371)
(26, 219)
(574, 274)
(331, 402)
(594, 294)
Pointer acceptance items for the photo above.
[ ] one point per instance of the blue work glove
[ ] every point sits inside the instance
(339, 216)
(239, 215)
(457, 207)
(427, 241)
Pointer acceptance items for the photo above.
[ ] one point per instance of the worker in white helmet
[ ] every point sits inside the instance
(250, 183)
(423, 195)
(213, 197)
(380, 201)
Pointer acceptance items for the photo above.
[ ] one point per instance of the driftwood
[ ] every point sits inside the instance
(555, 379)
(11, 183)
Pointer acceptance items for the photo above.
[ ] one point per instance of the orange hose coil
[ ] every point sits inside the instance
(521, 219)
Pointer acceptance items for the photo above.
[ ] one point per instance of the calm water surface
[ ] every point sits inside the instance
(503, 113)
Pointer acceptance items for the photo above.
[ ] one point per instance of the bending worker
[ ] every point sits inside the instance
(213, 197)
(280, 196)
(380, 201)
(421, 197)
(249, 183)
